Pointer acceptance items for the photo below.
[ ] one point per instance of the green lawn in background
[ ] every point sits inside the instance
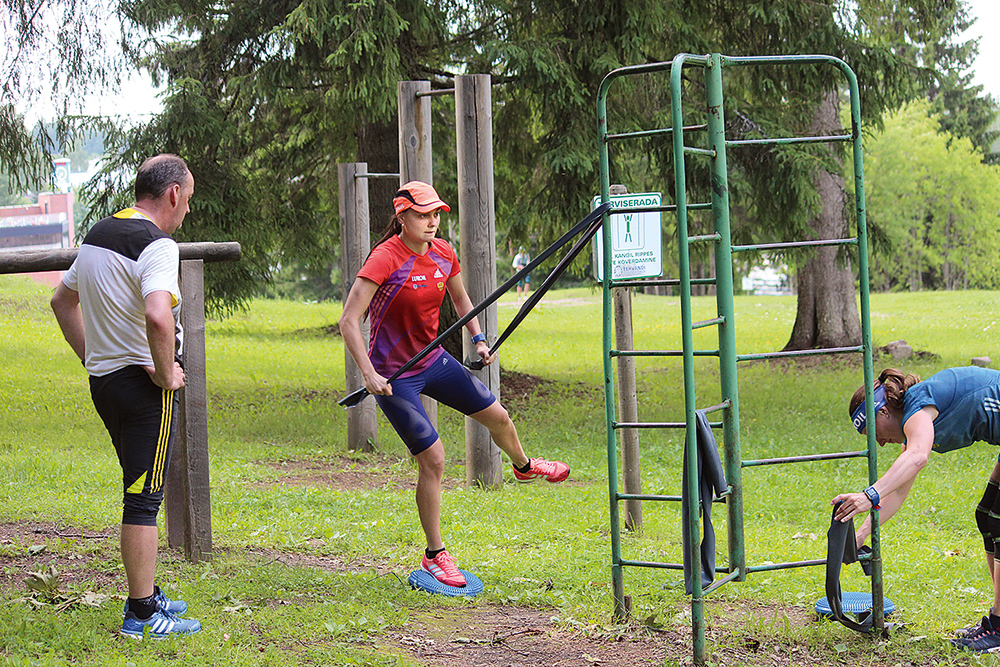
(275, 374)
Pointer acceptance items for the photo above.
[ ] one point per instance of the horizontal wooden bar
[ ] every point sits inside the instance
(30, 261)
(376, 175)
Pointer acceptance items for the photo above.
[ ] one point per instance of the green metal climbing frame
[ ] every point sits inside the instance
(716, 146)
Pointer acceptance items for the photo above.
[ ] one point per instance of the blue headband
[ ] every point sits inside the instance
(859, 417)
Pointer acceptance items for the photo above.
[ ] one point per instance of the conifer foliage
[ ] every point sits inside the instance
(264, 98)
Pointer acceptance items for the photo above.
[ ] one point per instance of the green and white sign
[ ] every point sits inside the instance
(636, 238)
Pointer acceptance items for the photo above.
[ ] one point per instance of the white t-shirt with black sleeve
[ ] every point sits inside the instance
(122, 260)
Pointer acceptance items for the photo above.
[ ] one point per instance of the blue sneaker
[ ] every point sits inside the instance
(160, 625)
(175, 607)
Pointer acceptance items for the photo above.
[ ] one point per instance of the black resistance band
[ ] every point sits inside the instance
(536, 296)
(592, 219)
(841, 548)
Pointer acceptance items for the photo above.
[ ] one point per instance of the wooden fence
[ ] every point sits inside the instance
(188, 492)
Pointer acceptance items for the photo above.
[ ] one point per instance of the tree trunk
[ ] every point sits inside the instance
(915, 262)
(947, 272)
(827, 314)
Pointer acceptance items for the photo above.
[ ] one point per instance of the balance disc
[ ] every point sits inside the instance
(426, 582)
(854, 603)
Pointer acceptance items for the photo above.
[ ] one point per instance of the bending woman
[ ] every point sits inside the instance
(949, 410)
(401, 287)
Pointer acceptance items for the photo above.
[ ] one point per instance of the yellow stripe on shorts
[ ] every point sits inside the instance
(160, 460)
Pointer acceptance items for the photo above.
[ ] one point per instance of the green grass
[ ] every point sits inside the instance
(275, 375)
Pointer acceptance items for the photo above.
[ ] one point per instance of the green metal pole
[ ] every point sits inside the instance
(690, 454)
(726, 310)
(617, 573)
(878, 610)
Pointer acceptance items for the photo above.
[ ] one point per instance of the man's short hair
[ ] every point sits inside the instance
(156, 174)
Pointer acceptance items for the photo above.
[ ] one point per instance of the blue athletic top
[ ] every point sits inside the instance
(968, 404)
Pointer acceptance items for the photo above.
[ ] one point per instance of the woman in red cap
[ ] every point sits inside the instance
(401, 287)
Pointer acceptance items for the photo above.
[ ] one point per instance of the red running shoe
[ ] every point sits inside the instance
(442, 567)
(550, 471)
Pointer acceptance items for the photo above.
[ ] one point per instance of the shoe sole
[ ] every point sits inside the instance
(140, 636)
(966, 645)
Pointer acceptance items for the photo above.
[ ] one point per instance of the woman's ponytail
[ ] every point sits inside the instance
(392, 229)
(895, 383)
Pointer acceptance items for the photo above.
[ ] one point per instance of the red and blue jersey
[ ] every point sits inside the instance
(404, 311)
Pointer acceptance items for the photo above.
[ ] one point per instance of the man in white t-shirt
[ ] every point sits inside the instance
(118, 307)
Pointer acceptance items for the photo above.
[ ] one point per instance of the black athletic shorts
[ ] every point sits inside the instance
(139, 417)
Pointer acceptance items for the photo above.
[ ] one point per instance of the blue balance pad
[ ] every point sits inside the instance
(854, 603)
(424, 581)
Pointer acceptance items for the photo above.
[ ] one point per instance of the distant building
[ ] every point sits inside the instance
(767, 281)
(46, 225)
(42, 226)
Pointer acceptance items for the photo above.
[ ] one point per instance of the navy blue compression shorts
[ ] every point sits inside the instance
(446, 381)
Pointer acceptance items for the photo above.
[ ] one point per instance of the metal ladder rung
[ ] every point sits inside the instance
(720, 582)
(664, 566)
(799, 353)
(784, 566)
(620, 425)
(708, 323)
(662, 353)
(652, 133)
(660, 282)
(692, 150)
(788, 140)
(795, 244)
(665, 208)
(705, 237)
(747, 463)
(652, 496)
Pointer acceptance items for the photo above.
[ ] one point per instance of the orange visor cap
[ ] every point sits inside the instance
(419, 196)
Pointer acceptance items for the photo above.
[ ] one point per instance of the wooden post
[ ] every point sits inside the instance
(628, 406)
(477, 233)
(188, 490)
(416, 160)
(355, 239)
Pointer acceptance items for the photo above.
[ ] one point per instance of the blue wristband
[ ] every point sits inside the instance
(873, 497)
(479, 338)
